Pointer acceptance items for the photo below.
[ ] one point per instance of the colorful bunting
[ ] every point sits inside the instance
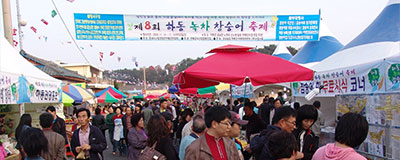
(112, 53)
(137, 64)
(90, 45)
(71, 1)
(15, 43)
(45, 22)
(101, 56)
(33, 29)
(69, 42)
(53, 13)
(119, 59)
(14, 32)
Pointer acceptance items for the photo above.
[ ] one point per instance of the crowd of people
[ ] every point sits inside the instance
(169, 129)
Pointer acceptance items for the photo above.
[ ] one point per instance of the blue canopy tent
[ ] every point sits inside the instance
(316, 51)
(282, 52)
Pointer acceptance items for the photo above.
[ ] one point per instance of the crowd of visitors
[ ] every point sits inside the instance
(171, 130)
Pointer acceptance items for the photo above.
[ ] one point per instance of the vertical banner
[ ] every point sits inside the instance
(239, 91)
(197, 28)
(368, 78)
(33, 90)
(8, 88)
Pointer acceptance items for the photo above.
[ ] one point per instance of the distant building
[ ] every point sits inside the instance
(54, 70)
(91, 72)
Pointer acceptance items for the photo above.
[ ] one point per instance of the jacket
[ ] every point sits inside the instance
(265, 109)
(56, 145)
(137, 142)
(332, 152)
(110, 121)
(97, 142)
(199, 150)
(59, 127)
(254, 125)
(165, 147)
(310, 142)
(99, 122)
(259, 146)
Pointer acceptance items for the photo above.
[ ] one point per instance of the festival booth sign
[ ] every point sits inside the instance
(9, 85)
(33, 90)
(245, 90)
(361, 79)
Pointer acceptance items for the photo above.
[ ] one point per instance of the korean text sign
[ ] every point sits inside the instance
(197, 28)
(353, 80)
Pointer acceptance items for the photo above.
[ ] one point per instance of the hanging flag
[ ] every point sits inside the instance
(152, 67)
(90, 45)
(33, 29)
(137, 64)
(101, 54)
(112, 53)
(45, 22)
(69, 42)
(82, 48)
(15, 43)
(173, 68)
(71, 1)
(53, 13)
(101, 60)
(119, 59)
(14, 32)
(45, 38)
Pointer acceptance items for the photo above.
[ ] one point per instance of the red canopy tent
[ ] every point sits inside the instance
(235, 65)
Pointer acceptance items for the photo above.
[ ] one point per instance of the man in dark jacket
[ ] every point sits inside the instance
(264, 110)
(284, 119)
(255, 124)
(88, 139)
(99, 121)
(58, 123)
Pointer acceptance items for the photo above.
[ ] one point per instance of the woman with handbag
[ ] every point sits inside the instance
(158, 134)
(136, 137)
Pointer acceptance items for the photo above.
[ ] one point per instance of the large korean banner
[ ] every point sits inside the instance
(34, 90)
(393, 75)
(245, 90)
(8, 88)
(196, 28)
(367, 78)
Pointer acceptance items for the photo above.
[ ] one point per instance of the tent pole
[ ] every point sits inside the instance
(230, 97)
(21, 108)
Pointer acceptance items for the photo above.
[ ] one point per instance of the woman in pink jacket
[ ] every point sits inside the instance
(351, 131)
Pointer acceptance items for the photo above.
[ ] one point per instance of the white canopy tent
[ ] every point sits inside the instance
(31, 85)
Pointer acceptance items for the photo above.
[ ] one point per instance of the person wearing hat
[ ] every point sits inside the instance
(234, 133)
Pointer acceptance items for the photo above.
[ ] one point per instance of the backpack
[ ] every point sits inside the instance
(150, 153)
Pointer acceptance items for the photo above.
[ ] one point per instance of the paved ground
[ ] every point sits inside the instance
(108, 152)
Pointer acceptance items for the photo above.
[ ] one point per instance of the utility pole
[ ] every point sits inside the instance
(19, 26)
(144, 78)
(7, 21)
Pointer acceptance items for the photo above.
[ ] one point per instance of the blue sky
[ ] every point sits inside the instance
(346, 19)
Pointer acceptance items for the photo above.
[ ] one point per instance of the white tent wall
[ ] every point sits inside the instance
(328, 107)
